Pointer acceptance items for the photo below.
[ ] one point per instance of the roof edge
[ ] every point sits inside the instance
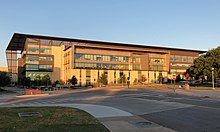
(99, 42)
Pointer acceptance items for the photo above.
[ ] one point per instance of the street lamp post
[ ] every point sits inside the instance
(213, 83)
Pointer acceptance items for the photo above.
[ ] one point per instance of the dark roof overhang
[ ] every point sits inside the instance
(18, 41)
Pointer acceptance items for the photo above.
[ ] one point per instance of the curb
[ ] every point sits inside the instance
(34, 95)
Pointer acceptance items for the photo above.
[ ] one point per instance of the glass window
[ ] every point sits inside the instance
(160, 68)
(33, 74)
(190, 59)
(30, 40)
(157, 61)
(47, 67)
(120, 59)
(106, 58)
(31, 59)
(178, 58)
(184, 58)
(45, 42)
(80, 56)
(136, 67)
(136, 59)
(88, 57)
(33, 50)
(31, 67)
(45, 58)
(153, 67)
(172, 58)
(157, 68)
(45, 50)
(101, 65)
(112, 58)
(126, 58)
(98, 57)
(88, 73)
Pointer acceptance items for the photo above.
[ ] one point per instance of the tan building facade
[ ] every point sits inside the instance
(61, 58)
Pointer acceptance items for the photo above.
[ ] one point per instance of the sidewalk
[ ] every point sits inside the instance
(114, 119)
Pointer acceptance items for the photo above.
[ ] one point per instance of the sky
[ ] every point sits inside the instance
(190, 24)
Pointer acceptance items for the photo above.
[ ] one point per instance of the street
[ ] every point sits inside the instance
(167, 109)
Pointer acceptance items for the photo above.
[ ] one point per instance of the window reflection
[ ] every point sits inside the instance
(101, 66)
(96, 57)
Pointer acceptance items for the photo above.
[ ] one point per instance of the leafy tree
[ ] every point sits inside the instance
(135, 80)
(204, 63)
(60, 82)
(37, 80)
(160, 78)
(73, 80)
(143, 78)
(4, 79)
(103, 79)
(56, 82)
(68, 81)
(122, 79)
(178, 78)
(45, 80)
(26, 81)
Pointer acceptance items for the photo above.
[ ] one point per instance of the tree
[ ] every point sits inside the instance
(143, 78)
(4, 79)
(122, 79)
(103, 79)
(37, 80)
(160, 78)
(26, 81)
(135, 80)
(204, 63)
(46, 80)
(73, 80)
(178, 78)
(60, 82)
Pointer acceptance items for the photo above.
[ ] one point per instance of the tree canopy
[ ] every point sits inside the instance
(73, 80)
(4, 79)
(122, 78)
(204, 63)
(103, 79)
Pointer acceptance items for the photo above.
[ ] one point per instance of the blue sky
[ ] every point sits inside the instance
(191, 24)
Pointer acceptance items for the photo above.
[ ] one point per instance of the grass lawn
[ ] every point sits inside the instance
(54, 119)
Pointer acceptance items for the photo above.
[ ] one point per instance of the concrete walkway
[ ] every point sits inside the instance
(114, 119)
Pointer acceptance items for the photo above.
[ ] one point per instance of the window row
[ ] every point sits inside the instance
(37, 50)
(102, 66)
(157, 68)
(32, 58)
(136, 59)
(136, 67)
(181, 65)
(178, 70)
(38, 67)
(46, 42)
(181, 58)
(157, 60)
(34, 74)
(79, 56)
